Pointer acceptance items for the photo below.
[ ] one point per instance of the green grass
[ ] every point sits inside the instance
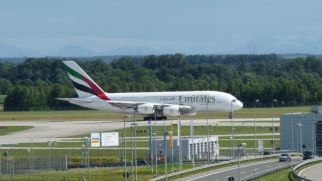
(198, 130)
(282, 175)
(59, 115)
(222, 166)
(142, 131)
(109, 155)
(100, 115)
(144, 143)
(4, 130)
(115, 155)
(106, 174)
(113, 174)
(100, 174)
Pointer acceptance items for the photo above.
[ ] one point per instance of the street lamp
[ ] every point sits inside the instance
(231, 149)
(233, 144)
(292, 133)
(133, 158)
(240, 145)
(85, 154)
(273, 139)
(124, 148)
(165, 154)
(232, 126)
(192, 150)
(255, 102)
(50, 143)
(300, 128)
(208, 149)
(155, 151)
(313, 135)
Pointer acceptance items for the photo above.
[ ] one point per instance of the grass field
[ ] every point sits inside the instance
(4, 130)
(108, 174)
(282, 175)
(109, 155)
(100, 115)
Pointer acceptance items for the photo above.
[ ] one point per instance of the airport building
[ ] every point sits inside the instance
(302, 131)
(197, 146)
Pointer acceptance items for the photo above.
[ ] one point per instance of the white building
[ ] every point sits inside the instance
(197, 146)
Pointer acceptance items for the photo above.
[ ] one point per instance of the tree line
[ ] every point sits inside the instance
(36, 82)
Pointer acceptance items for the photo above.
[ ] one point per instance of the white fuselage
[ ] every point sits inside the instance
(200, 101)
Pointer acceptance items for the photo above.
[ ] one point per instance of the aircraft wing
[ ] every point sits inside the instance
(125, 104)
(158, 106)
(130, 104)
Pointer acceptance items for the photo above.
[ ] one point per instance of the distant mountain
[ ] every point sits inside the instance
(7, 50)
(133, 51)
(72, 51)
(268, 44)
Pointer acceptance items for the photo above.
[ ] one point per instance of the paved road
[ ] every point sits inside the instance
(42, 131)
(313, 172)
(224, 173)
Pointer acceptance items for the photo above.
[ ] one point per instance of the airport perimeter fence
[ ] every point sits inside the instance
(13, 165)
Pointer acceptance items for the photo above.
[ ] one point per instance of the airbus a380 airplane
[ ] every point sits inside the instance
(162, 104)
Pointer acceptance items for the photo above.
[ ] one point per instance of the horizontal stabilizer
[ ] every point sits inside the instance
(75, 100)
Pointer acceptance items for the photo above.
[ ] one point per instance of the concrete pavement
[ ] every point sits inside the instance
(245, 170)
(44, 130)
(313, 172)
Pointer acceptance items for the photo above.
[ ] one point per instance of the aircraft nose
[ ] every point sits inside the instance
(237, 105)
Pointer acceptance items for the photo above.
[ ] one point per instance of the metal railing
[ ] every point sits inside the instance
(265, 172)
(163, 177)
(298, 177)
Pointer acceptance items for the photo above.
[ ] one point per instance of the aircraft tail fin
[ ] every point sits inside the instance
(83, 83)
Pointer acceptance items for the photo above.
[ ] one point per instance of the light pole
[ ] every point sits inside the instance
(273, 138)
(240, 145)
(180, 143)
(255, 102)
(232, 127)
(292, 133)
(231, 149)
(192, 144)
(313, 135)
(172, 147)
(124, 149)
(208, 149)
(85, 153)
(135, 150)
(233, 144)
(155, 151)
(165, 133)
(132, 150)
(155, 145)
(49, 154)
(300, 128)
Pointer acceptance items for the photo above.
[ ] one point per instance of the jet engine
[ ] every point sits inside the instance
(145, 109)
(173, 110)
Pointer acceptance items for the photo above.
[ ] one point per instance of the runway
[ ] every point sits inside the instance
(42, 131)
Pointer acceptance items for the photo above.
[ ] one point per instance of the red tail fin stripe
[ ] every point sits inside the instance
(96, 89)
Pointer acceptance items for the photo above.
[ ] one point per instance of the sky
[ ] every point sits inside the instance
(110, 27)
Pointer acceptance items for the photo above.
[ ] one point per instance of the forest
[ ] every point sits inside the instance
(35, 83)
